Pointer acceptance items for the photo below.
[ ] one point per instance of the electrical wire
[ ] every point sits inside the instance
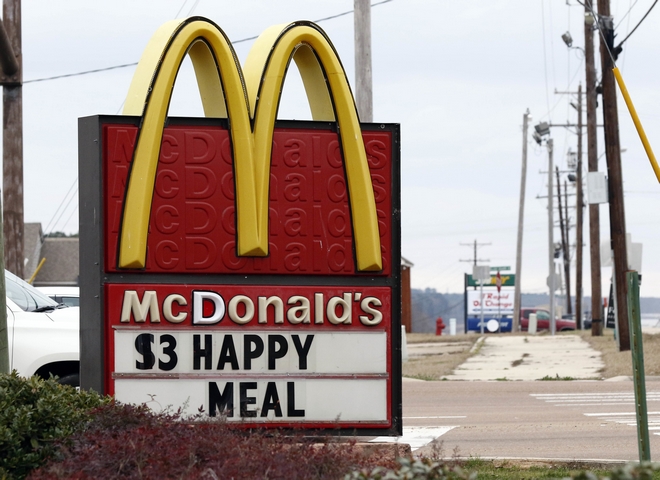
(181, 9)
(50, 222)
(62, 213)
(77, 74)
(639, 23)
(627, 13)
(69, 219)
(126, 65)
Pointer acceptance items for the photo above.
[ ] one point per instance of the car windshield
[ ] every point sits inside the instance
(542, 315)
(25, 295)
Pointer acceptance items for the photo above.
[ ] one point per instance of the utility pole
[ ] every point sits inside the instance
(474, 258)
(551, 242)
(579, 219)
(563, 229)
(615, 176)
(12, 143)
(11, 72)
(363, 81)
(592, 160)
(515, 324)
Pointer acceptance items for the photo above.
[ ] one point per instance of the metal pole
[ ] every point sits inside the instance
(637, 350)
(551, 242)
(499, 311)
(563, 230)
(579, 219)
(363, 80)
(515, 324)
(567, 260)
(481, 303)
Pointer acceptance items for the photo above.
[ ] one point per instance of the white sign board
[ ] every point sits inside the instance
(494, 303)
(597, 188)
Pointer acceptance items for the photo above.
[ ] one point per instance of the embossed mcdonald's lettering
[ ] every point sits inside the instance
(238, 262)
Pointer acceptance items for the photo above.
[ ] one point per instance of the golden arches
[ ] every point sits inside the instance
(251, 104)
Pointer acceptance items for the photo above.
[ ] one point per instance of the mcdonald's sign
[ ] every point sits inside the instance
(238, 263)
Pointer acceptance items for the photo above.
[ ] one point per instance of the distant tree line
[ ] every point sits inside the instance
(62, 235)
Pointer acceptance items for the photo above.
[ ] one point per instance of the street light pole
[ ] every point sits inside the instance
(563, 231)
(515, 324)
(551, 242)
(579, 219)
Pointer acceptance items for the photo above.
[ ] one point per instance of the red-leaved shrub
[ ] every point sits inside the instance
(129, 442)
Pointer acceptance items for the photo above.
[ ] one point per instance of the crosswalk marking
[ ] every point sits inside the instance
(438, 416)
(416, 437)
(589, 399)
(607, 399)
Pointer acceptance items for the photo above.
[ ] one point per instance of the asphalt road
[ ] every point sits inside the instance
(568, 420)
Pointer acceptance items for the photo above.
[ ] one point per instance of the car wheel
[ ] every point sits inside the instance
(72, 379)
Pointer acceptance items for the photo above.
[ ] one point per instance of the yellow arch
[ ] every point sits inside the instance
(224, 91)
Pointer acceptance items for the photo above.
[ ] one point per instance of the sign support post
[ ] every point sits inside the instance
(481, 296)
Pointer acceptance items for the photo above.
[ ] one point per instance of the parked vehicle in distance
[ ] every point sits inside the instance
(43, 335)
(543, 320)
(69, 296)
(586, 319)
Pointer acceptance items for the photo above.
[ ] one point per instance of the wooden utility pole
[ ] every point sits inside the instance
(12, 143)
(579, 218)
(592, 160)
(10, 63)
(515, 324)
(563, 230)
(474, 258)
(363, 81)
(614, 173)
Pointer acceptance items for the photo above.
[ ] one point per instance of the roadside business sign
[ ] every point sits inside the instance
(500, 269)
(236, 263)
(506, 281)
(494, 303)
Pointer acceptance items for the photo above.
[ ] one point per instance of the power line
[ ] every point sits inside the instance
(77, 74)
(125, 65)
(50, 222)
(640, 22)
(62, 212)
(632, 5)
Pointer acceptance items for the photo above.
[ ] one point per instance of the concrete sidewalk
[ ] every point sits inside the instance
(501, 357)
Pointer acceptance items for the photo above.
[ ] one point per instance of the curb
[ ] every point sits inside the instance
(477, 344)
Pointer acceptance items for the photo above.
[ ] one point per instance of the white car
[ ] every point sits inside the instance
(67, 295)
(43, 335)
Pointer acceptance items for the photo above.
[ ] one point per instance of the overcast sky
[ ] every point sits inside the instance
(457, 76)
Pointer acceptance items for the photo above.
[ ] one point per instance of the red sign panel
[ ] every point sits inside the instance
(192, 226)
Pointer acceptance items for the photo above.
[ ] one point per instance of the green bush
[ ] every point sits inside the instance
(414, 469)
(34, 414)
(631, 471)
